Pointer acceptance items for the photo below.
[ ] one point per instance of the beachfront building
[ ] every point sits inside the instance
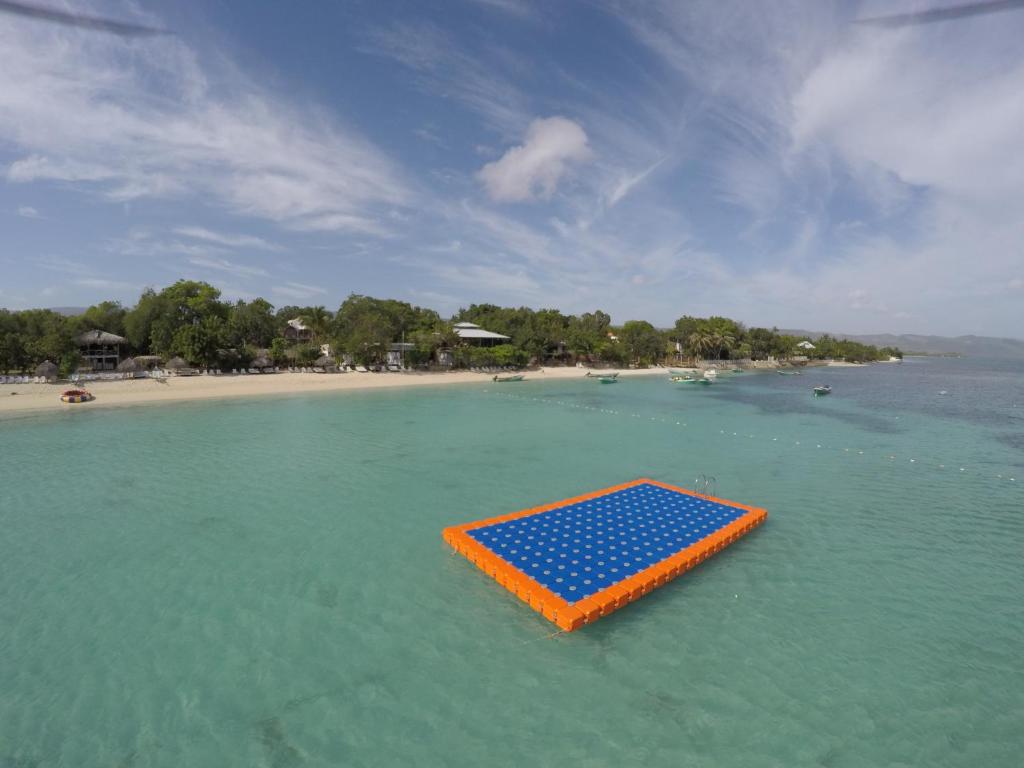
(397, 352)
(475, 336)
(805, 344)
(296, 330)
(102, 350)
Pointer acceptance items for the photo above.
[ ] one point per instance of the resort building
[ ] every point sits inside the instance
(805, 344)
(397, 352)
(296, 330)
(102, 350)
(475, 336)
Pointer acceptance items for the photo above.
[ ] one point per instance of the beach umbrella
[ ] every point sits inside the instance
(128, 365)
(261, 362)
(47, 370)
(176, 364)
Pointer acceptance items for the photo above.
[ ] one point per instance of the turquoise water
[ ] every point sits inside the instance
(263, 583)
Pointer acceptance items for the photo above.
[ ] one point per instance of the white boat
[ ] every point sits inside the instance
(710, 373)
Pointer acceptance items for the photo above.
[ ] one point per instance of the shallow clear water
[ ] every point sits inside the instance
(263, 582)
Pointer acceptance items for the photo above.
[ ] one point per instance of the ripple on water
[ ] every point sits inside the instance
(264, 584)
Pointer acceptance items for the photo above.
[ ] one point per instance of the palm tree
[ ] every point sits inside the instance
(721, 342)
(317, 319)
(699, 343)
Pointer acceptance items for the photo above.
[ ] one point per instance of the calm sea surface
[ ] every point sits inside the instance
(263, 582)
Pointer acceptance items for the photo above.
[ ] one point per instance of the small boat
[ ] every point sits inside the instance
(516, 377)
(608, 379)
(691, 380)
(592, 375)
(788, 373)
(76, 396)
(823, 390)
(710, 373)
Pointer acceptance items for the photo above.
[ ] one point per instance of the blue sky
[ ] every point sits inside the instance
(766, 161)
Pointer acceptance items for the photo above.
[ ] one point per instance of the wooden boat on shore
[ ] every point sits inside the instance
(822, 390)
(505, 379)
(592, 375)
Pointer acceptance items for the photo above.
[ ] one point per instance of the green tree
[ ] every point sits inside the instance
(279, 349)
(643, 342)
(685, 327)
(139, 321)
(106, 316)
(699, 343)
(187, 303)
(198, 343)
(251, 323)
(47, 335)
(318, 320)
(585, 334)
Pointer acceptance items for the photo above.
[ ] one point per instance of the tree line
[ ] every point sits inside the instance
(190, 320)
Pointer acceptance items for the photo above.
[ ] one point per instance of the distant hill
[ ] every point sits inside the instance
(69, 311)
(974, 346)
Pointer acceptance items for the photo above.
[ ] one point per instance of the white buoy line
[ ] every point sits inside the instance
(893, 458)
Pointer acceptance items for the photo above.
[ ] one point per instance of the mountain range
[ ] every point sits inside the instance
(973, 346)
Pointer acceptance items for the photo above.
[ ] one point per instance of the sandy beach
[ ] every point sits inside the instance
(18, 399)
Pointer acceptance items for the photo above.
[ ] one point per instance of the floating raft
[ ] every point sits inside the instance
(577, 560)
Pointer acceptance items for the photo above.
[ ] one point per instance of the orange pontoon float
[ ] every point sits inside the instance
(577, 560)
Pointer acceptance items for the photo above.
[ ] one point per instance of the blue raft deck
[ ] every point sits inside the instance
(577, 560)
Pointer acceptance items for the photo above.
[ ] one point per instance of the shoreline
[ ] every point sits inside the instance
(27, 399)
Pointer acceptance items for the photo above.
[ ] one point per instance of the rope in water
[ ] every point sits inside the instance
(1007, 477)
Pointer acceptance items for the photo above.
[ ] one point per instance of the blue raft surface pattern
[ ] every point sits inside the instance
(583, 548)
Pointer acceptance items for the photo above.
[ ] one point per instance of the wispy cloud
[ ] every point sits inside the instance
(103, 284)
(28, 212)
(627, 184)
(223, 265)
(448, 70)
(148, 119)
(228, 240)
(518, 8)
(298, 291)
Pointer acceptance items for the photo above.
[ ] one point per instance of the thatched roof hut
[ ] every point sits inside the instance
(147, 362)
(100, 337)
(326, 362)
(177, 364)
(262, 362)
(128, 365)
(47, 369)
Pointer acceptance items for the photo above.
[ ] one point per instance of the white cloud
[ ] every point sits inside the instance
(535, 167)
(223, 265)
(517, 8)
(298, 291)
(805, 122)
(231, 241)
(627, 184)
(445, 69)
(28, 212)
(144, 118)
(108, 285)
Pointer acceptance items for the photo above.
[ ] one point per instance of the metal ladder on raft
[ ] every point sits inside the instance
(705, 485)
